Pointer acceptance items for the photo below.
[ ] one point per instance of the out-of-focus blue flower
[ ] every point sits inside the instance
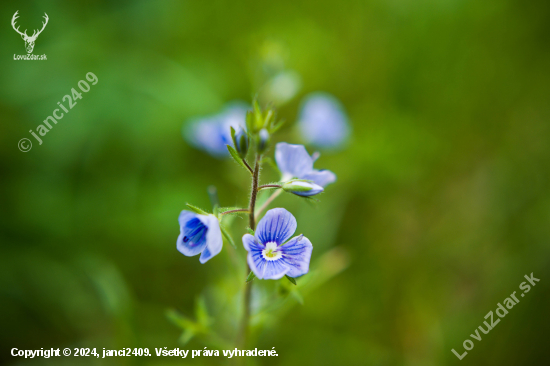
(269, 257)
(323, 121)
(294, 162)
(213, 133)
(199, 234)
(302, 188)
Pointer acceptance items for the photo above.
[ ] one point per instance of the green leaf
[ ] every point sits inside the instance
(250, 231)
(277, 125)
(233, 135)
(258, 118)
(227, 236)
(180, 320)
(201, 312)
(291, 279)
(269, 118)
(196, 209)
(186, 336)
(250, 277)
(236, 157)
(250, 122)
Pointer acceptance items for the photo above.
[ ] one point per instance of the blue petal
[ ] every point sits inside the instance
(234, 115)
(192, 238)
(213, 133)
(323, 121)
(293, 160)
(320, 177)
(199, 234)
(209, 134)
(205, 255)
(296, 255)
(214, 240)
(256, 262)
(275, 270)
(277, 226)
(251, 243)
(264, 269)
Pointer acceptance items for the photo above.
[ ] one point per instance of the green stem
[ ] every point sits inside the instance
(243, 332)
(248, 166)
(254, 192)
(269, 186)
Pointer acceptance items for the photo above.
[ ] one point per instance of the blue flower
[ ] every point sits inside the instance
(269, 257)
(323, 121)
(294, 162)
(199, 234)
(213, 133)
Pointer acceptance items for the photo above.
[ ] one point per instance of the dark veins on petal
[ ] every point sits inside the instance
(195, 232)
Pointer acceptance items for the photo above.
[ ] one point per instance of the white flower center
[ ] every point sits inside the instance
(271, 252)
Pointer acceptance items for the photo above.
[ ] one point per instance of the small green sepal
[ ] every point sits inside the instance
(291, 279)
(227, 236)
(251, 276)
(196, 209)
(235, 156)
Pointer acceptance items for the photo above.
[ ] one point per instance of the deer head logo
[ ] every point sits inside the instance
(29, 41)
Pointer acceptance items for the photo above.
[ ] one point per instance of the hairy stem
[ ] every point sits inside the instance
(248, 167)
(269, 186)
(254, 192)
(243, 332)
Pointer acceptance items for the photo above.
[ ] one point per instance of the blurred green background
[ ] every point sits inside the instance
(441, 207)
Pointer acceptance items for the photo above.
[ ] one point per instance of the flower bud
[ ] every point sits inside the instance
(263, 140)
(240, 140)
(302, 187)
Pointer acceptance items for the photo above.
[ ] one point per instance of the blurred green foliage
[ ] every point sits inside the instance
(442, 201)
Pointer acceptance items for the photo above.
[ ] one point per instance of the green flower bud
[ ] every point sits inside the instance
(263, 140)
(240, 140)
(302, 187)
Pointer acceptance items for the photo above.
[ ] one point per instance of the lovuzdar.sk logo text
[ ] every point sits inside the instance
(29, 40)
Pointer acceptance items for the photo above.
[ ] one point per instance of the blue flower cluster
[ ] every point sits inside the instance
(272, 253)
